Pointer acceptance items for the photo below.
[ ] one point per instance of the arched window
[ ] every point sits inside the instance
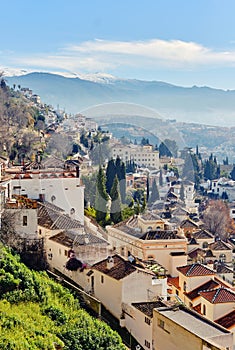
(185, 286)
(149, 228)
(205, 245)
(72, 211)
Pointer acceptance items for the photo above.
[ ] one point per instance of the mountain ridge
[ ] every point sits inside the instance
(186, 104)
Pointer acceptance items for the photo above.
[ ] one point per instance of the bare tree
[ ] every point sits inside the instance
(217, 220)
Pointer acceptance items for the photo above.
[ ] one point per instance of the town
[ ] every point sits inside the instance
(145, 232)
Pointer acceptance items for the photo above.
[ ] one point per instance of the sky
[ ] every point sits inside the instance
(183, 42)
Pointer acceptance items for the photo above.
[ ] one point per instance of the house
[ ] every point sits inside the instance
(216, 303)
(180, 328)
(116, 281)
(55, 185)
(139, 321)
(222, 250)
(131, 237)
(188, 226)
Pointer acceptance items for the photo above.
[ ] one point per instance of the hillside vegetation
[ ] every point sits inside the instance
(38, 313)
(19, 136)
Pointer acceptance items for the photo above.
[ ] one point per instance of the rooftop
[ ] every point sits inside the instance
(227, 321)
(193, 322)
(196, 292)
(195, 270)
(219, 295)
(147, 307)
(121, 268)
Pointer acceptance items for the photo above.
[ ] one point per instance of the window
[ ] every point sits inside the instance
(25, 220)
(161, 324)
(40, 231)
(222, 258)
(66, 252)
(102, 279)
(185, 286)
(205, 245)
(147, 320)
(147, 344)
(204, 309)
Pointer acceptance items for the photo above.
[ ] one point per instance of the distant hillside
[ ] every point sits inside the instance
(194, 104)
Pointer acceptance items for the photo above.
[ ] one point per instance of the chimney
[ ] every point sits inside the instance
(110, 262)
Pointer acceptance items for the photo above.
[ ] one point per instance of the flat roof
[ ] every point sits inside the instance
(195, 324)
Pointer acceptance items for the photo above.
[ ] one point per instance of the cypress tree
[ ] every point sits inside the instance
(160, 178)
(122, 182)
(115, 211)
(155, 193)
(110, 175)
(147, 189)
(101, 197)
(182, 191)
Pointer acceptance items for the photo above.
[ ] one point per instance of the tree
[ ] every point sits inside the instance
(110, 175)
(121, 174)
(147, 189)
(217, 220)
(182, 191)
(115, 210)
(101, 197)
(232, 174)
(160, 178)
(154, 193)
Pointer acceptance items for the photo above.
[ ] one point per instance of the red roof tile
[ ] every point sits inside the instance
(173, 281)
(227, 321)
(121, 268)
(218, 296)
(197, 308)
(208, 285)
(195, 270)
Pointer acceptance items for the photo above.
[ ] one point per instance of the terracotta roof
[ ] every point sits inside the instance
(173, 281)
(188, 223)
(147, 308)
(208, 285)
(120, 269)
(219, 245)
(227, 321)
(195, 270)
(222, 268)
(219, 295)
(197, 308)
(202, 234)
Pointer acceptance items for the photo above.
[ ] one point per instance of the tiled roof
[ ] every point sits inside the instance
(202, 234)
(208, 285)
(219, 245)
(147, 308)
(227, 321)
(120, 269)
(173, 281)
(197, 308)
(193, 254)
(151, 217)
(71, 238)
(188, 223)
(222, 268)
(54, 219)
(195, 270)
(219, 295)
(160, 234)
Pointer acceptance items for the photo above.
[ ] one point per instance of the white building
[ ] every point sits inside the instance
(141, 155)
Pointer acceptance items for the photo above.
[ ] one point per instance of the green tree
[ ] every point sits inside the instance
(115, 210)
(110, 175)
(232, 174)
(101, 197)
(154, 193)
(160, 178)
(182, 191)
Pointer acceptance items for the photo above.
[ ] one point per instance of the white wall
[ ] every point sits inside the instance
(67, 192)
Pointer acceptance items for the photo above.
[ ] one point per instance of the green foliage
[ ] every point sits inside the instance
(154, 193)
(116, 210)
(37, 313)
(101, 197)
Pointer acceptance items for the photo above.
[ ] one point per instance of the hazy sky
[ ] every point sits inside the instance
(184, 42)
